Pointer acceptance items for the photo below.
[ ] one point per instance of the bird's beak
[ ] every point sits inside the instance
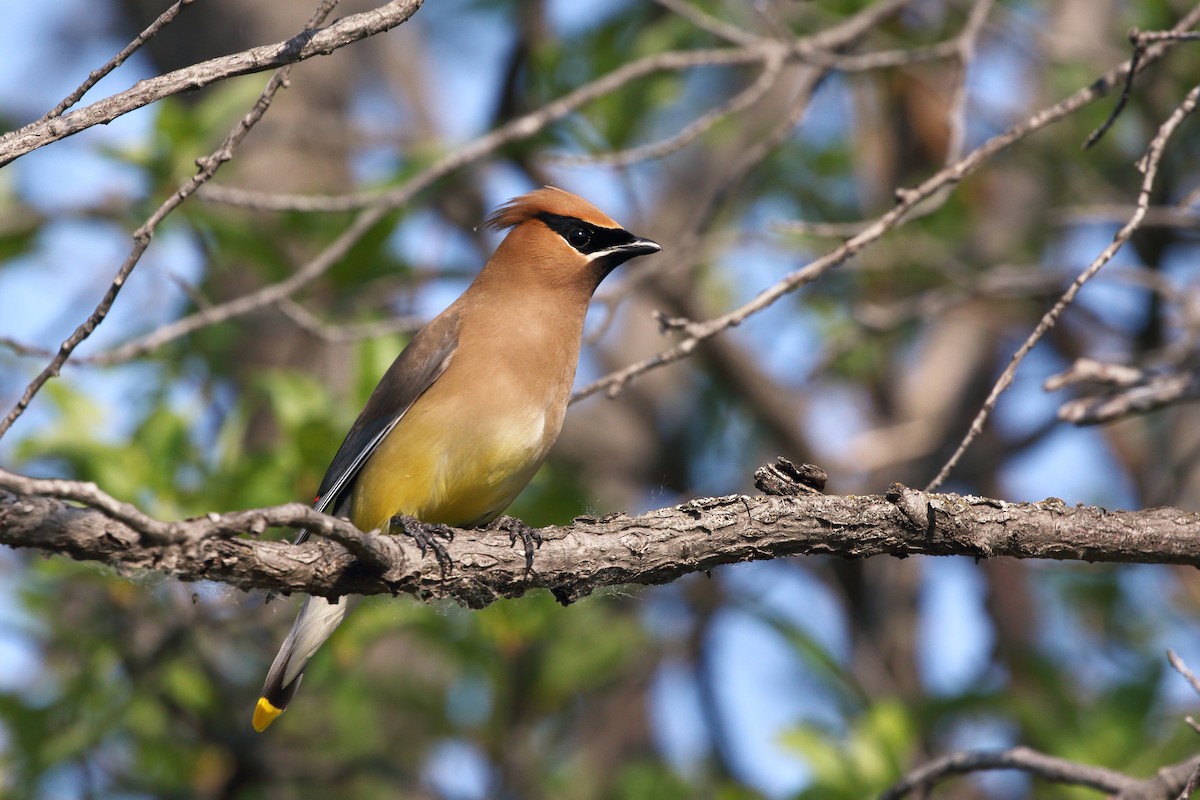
(612, 257)
(638, 247)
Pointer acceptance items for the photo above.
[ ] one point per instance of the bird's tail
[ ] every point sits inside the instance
(316, 621)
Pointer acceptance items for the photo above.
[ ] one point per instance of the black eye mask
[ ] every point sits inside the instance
(584, 236)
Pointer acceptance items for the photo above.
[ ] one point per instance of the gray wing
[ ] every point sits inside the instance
(417, 367)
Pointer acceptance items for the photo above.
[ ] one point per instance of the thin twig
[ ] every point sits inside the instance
(1149, 167)
(909, 199)
(95, 76)
(1182, 668)
(966, 43)
(1190, 788)
(534, 122)
(141, 238)
(240, 306)
(516, 130)
(1172, 216)
(1024, 759)
(706, 22)
(962, 49)
(823, 230)
(338, 334)
(766, 79)
(1150, 393)
(775, 55)
(1126, 91)
(22, 349)
(1139, 40)
(878, 60)
(821, 49)
(340, 33)
(377, 206)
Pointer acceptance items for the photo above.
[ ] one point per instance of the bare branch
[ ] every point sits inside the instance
(21, 349)
(96, 75)
(261, 298)
(340, 33)
(1130, 391)
(706, 22)
(1182, 668)
(1140, 40)
(965, 43)
(1193, 782)
(776, 54)
(141, 237)
(375, 207)
(1049, 768)
(819, 49)
(1163, 786)
(909, 200)
(1149, 167)
(318, 327)
(825, 230)
(1177, 216)
(521, 128)
(577, 559)
(766, 79)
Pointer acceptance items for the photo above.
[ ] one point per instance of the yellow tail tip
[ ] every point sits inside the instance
(264, 714)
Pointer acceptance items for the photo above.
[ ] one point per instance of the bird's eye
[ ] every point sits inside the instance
(579, 237)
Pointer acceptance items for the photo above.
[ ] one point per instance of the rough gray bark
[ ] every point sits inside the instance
(591, 552)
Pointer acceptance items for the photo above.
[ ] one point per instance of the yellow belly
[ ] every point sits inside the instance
(447, 467)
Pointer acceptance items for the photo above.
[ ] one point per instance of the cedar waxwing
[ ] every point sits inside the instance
(467, 412)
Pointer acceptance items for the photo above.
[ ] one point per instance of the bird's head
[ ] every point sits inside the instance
(558, 238)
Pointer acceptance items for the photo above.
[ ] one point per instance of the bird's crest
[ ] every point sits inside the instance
(547, 200)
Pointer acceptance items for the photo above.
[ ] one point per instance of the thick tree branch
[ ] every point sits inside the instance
(576, 559)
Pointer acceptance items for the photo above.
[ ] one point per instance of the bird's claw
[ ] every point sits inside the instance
(425, 535)
(516, 529)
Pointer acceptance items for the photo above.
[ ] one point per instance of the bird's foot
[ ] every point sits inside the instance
(516, 529)
(426, 535)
